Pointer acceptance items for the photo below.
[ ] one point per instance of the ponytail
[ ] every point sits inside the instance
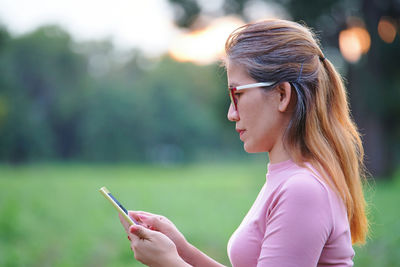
(348, 170)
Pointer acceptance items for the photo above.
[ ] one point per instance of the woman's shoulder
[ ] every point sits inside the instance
(304, 183)
(302, 196)
(288, 180)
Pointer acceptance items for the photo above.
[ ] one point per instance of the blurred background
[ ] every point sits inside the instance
(132, 95)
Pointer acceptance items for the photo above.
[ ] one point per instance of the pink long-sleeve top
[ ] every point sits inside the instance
(296, 221)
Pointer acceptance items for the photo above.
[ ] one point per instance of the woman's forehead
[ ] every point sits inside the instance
(237, 74)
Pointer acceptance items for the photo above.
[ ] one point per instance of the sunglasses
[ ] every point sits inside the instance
(232, 90)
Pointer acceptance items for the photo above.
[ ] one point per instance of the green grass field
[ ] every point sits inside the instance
(53, 214)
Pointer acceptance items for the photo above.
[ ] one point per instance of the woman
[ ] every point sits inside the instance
(287, 100)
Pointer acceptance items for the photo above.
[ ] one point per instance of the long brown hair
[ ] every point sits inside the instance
(321, 130)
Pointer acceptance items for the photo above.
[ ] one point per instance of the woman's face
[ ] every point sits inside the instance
(259, 122)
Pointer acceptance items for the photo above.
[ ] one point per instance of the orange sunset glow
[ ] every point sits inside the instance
(206, 45)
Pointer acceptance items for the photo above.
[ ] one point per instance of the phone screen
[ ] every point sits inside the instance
(121, 209)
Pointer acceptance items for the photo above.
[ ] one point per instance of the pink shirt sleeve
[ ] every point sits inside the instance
(298, 224)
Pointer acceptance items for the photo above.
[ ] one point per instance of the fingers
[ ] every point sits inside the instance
(149, 220)
(136, 214)
(139, 231)
(157, 222)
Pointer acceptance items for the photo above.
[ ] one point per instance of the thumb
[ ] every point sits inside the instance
(140, 231)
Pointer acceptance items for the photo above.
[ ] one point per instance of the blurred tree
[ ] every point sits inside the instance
(43, 78)
(373, 82)
(164, 112)
(185, 11)
(65, 100)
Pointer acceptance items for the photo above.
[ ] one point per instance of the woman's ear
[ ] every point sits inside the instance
(285, 93)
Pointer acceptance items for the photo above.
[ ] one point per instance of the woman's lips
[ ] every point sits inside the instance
(240, 131)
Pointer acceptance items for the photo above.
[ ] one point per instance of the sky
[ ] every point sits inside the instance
(146, 24)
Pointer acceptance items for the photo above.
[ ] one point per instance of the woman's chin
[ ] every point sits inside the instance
(254, 148)
(250, 149)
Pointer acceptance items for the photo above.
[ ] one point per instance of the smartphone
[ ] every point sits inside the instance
(104, 191)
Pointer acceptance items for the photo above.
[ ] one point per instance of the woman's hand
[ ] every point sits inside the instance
(153, 248)
(160, 224)
(161, 237)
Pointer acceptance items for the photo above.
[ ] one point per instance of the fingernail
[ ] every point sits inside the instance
(129, 238)
(132, 229)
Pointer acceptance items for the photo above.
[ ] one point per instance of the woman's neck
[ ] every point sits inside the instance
(278, 153)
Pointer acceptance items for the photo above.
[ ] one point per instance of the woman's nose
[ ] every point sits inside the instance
(233, 114)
